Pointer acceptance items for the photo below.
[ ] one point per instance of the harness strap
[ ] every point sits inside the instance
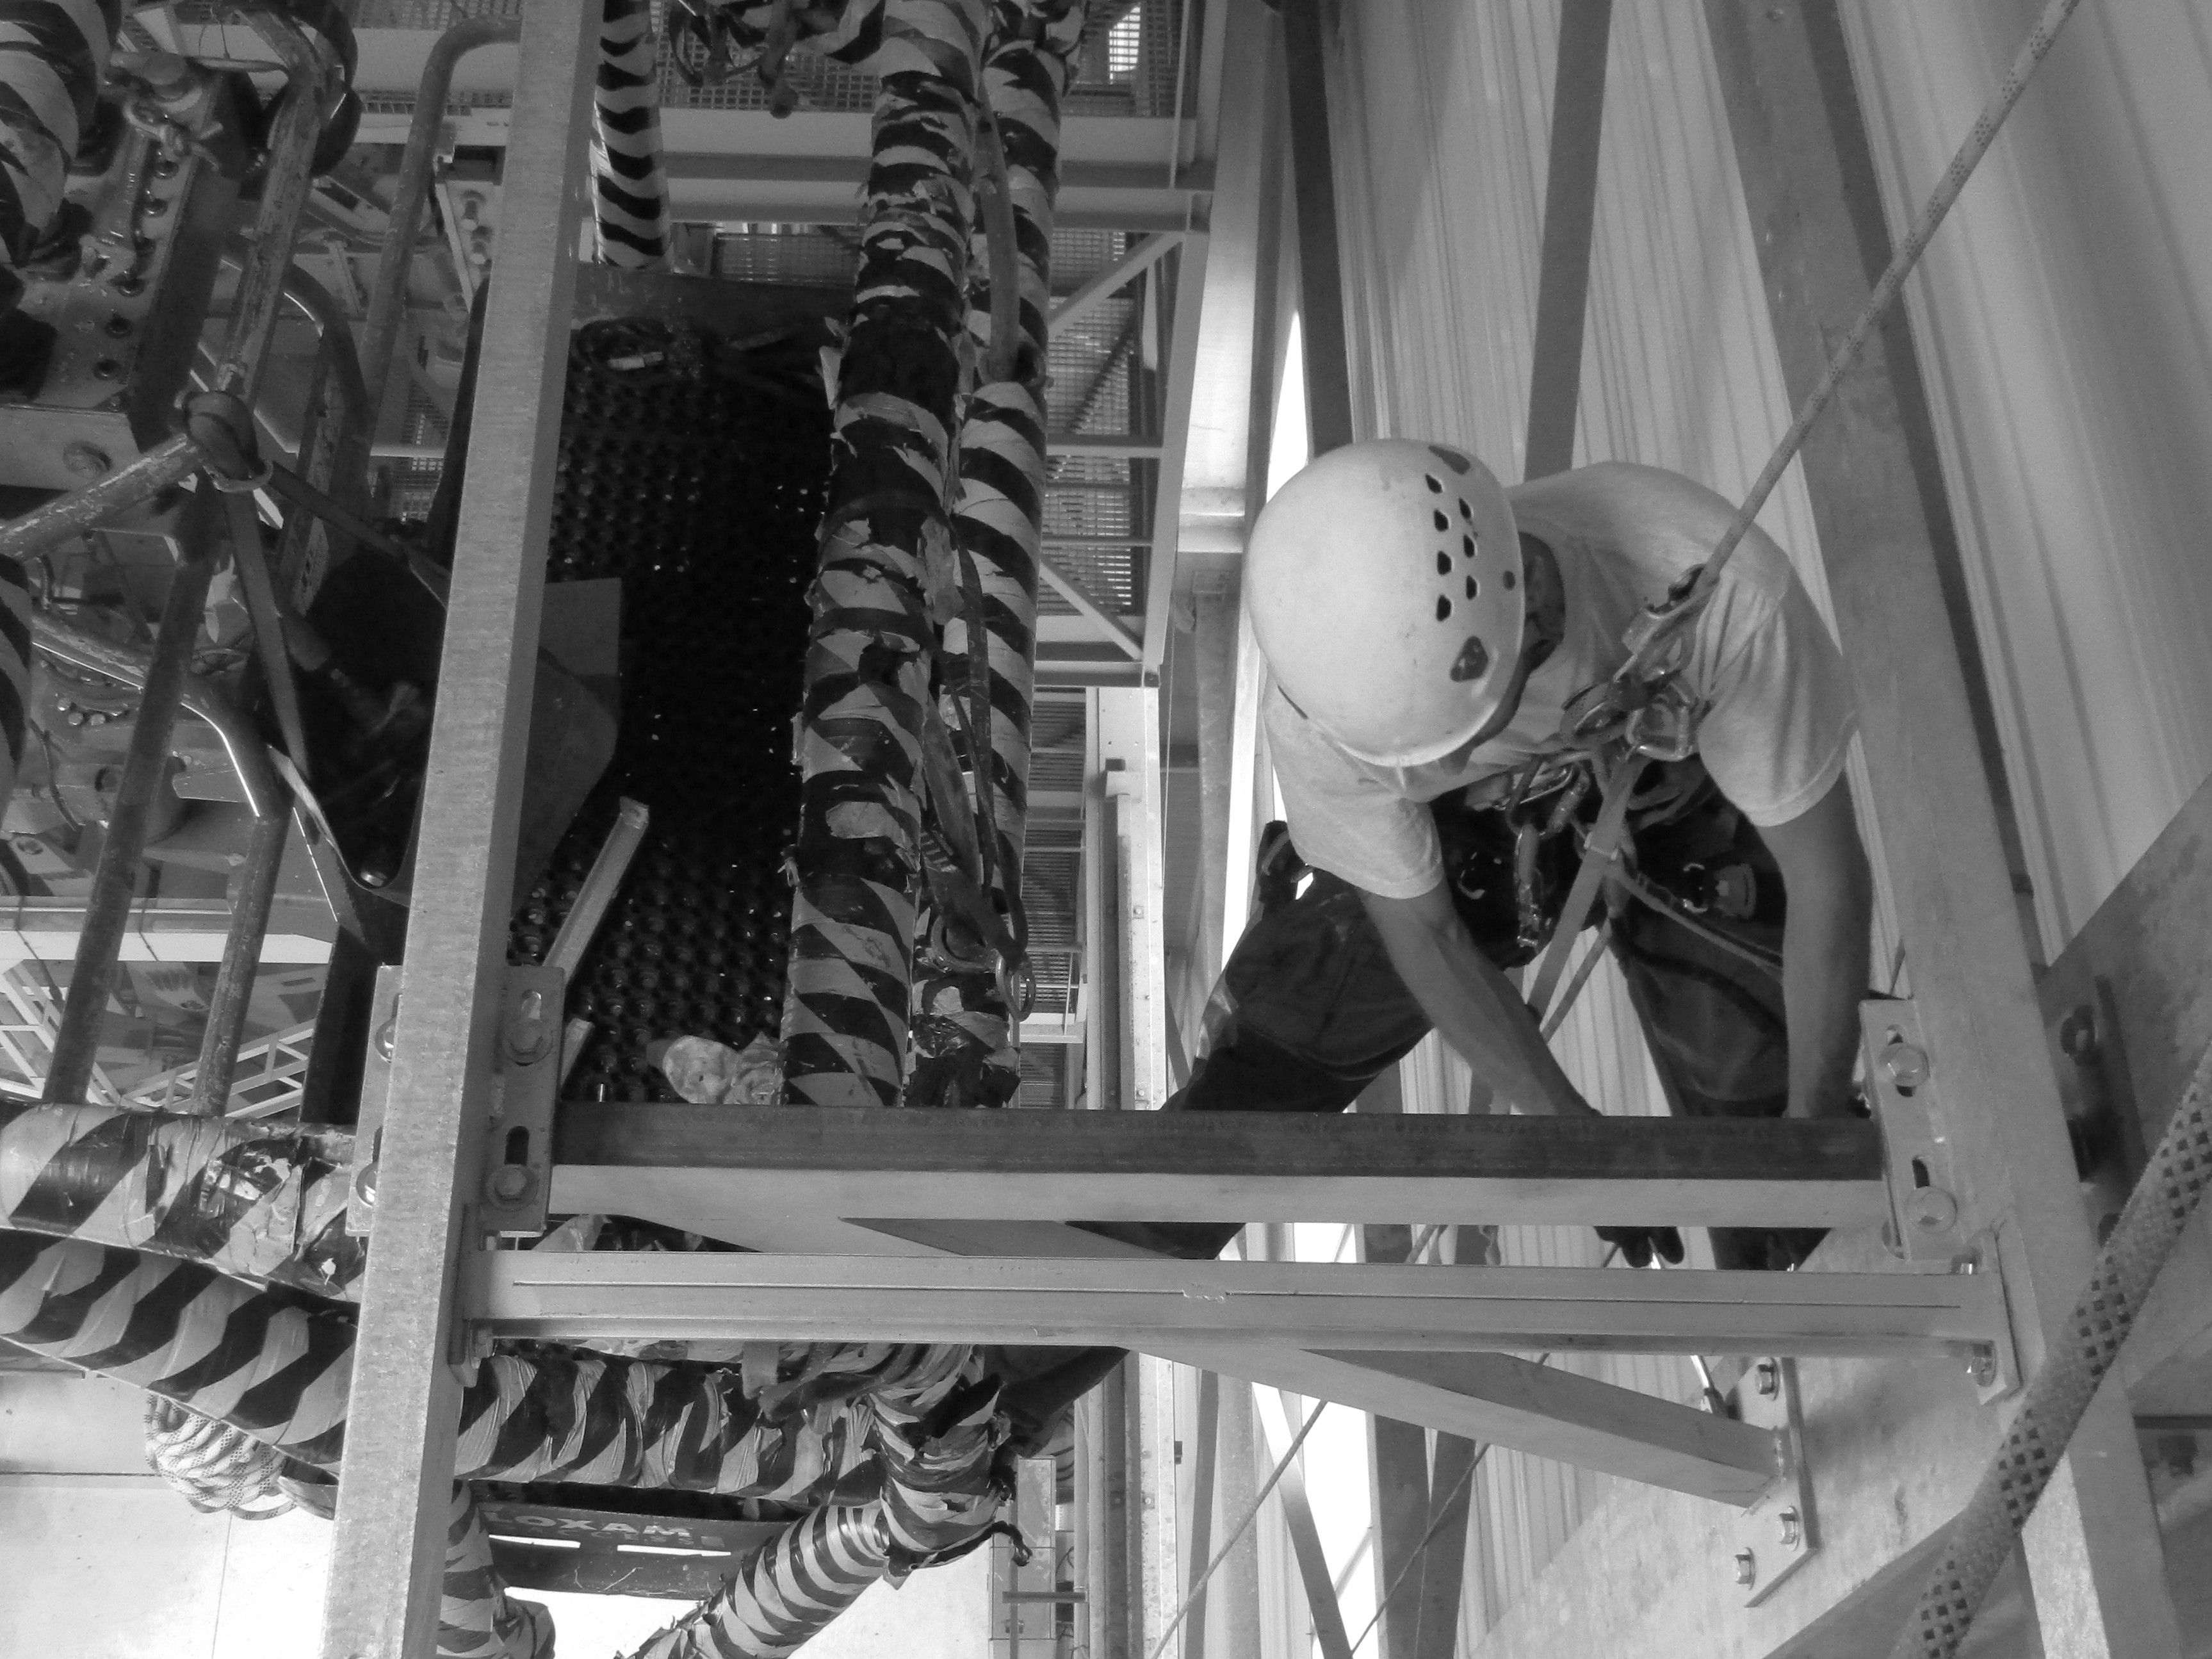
(1598, 852)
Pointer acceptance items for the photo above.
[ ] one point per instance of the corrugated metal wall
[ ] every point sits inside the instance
(2062, 320)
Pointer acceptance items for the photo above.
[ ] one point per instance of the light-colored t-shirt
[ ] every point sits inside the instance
(1777, 708)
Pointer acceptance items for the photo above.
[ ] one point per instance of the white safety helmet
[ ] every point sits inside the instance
(1384, 584)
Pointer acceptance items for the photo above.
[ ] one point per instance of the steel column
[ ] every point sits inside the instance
(1808, 183)
(383, 1594)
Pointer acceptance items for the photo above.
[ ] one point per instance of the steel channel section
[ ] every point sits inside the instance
(1133, 1302)
(388, 1548)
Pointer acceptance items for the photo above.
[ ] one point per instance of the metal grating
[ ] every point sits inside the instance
(808, 256)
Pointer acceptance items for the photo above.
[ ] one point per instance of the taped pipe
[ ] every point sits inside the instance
(964, 1034)
(276, 1363)
(52, 60)
(846, 1015)
(630, 187)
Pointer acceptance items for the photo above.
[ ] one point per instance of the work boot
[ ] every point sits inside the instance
(1638, 1245)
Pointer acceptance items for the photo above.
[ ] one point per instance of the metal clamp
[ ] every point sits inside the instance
(1917, 1154)
(519, 1141)
(1774, 1536)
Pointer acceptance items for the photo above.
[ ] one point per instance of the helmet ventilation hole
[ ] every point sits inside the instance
(1473, 661)
(1509, 579)
(1471, 589)
(1444, 607)
(1457, 462)
(1443, 523)
(1443, 564)
(1467, 546)
(1436, 487)
(1465, 511)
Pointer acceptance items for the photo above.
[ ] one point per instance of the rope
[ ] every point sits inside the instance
(1645, 661)
(1981, 1539)
(217, 1467)
(1237, 1537)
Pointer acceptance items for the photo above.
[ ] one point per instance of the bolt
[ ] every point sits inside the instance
(529, 1034)
(86, 460)
(1905, 1064)
(510, 1184)
(387, 1035)
(364, 1185)
(1932, 1210)
(165, 166)
(1767, 1377)
(118, 326)
(1747, 1568)
(154, 206)
(1792, 1529)
(1982, 1365)
(106, 368)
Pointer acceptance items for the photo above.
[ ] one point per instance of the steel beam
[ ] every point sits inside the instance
(1320, 274)
(388, 1551)
(1570, 208)
(1324, 1306)
(1148, 252)
(1331, 1639)
(1809, 186)
(813, 1163)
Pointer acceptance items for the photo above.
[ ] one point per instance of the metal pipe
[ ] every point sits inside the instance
(114, 882)
(387, 296)
(80, 510)
(127, 666)
(242, 958)
(284, 198)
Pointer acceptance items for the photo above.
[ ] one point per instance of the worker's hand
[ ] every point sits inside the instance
(1638, 1245)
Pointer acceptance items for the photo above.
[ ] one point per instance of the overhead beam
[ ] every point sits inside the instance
(1098, 289)
(1570, 212)
(814, 1161)
(387, 1553)
(1320, 274)
(1818, 231)
(1134, 1302)
(1096, 614)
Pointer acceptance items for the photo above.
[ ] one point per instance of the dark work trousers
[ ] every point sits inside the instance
(1309, 1011)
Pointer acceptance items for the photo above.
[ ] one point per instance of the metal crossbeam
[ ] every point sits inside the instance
(1132, 1303)
(807, 1164)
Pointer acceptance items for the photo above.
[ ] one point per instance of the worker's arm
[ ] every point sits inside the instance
(1471, 1002)
(1824, 948)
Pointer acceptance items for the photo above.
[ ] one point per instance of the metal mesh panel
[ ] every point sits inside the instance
(807, 255)
(1044, 1065)
(1090, 362)
(1080, 255)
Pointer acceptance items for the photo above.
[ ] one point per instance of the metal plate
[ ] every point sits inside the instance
(1775, 1535)
(1902, 1086)
(518, 1143)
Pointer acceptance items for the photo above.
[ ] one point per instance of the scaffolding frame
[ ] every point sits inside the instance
(432, 1293)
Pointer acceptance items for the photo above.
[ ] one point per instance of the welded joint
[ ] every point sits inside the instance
(518, 1163)
(1773, 1536)
(1927, 1218)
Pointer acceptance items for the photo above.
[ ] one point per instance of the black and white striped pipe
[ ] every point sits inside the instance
(252, 1199)
(477, 1618)
(53, 54)
(630, 187)
(964, 1047)
(845, 1013)
(276, 1363)
(940, 1494)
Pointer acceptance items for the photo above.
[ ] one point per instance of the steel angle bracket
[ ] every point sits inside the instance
(1906, 1092)
(1993, 1366)
(1774, 1535)
(375, 1089)
(518, 1160)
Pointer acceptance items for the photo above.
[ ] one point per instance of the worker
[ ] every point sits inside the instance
(1427, 631)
